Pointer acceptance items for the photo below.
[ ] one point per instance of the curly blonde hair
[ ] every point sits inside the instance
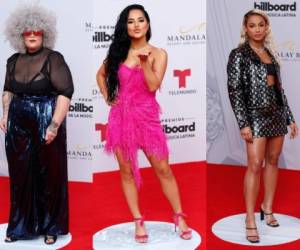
(268, 41)
(30, 17)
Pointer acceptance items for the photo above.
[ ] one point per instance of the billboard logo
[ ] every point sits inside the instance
(80, 107)
(180, 128)
(267, 6)
(102, 37)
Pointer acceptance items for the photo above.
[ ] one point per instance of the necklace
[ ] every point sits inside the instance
(259, 50)
(133, 49)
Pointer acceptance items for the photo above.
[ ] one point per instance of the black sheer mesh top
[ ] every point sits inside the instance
(43, 72)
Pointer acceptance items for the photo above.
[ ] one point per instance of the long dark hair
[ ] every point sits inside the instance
(119, 48)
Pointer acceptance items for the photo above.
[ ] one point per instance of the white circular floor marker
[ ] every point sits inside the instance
(232, 229)
(161, 237)
(35, 244)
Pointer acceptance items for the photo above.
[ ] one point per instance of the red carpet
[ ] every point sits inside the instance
(101, 204)
(225, 197)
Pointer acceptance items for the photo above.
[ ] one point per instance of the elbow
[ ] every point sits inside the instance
(153, 86)
(98, 75)
(67, 93)
(152, 89)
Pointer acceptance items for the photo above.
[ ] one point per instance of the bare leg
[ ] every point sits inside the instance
(169, 187)
(255, 155)
(130, 192)
(273, 150)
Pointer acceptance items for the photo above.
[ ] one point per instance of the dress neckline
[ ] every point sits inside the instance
(35, 52)
(131, 67)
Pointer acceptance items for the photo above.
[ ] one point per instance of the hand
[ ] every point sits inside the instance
(246, 134)
(3, 124)
(51, 132)
(144, 56)
(294, 130)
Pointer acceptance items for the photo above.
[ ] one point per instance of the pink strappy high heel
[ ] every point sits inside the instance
(187, 234)
(141, 238)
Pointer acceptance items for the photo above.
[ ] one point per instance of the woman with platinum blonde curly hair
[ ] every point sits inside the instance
(36, 98)
(262, 112)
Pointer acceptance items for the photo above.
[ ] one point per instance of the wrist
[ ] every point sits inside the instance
(145, 64)
(53, 126)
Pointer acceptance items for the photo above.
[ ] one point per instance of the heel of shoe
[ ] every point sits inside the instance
(262, 214)
(144, 237)
(272, 223)
(176, 219)
(185, 235)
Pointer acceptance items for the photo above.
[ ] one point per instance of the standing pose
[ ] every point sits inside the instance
(262, 112)
(36, 97)
(128, 79)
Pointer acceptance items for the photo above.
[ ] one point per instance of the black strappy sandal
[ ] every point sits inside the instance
(272, 223)
(9, 239)
(53, 239)
(248, 237)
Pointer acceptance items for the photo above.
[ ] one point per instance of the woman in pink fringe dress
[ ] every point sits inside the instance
(128, 79)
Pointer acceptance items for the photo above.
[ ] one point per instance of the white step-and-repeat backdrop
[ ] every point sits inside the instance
(224, 144)
(84, 33)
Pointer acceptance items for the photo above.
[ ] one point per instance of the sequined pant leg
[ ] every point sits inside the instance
(38, 172)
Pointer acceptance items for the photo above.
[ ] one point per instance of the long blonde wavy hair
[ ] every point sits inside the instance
(268, 42)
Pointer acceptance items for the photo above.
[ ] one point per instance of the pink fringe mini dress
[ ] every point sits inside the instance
(134, 122)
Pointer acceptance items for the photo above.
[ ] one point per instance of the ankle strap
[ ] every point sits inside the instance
(180, 214)
(268, 213)
(265, 213)
(140, 220)
(177, 216)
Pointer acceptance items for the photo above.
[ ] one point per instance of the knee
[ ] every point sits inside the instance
(272, 159)
(164, 173)
(255, 166)
(126, 173)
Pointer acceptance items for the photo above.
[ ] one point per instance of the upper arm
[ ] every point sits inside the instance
(11, 61)
(60, 75)
(234, 69)
(160, 63)
(101, 72)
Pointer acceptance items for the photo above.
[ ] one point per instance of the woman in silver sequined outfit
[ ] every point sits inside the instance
(262, 112)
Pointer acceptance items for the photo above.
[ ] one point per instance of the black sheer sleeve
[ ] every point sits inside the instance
(11, 61)
(60, 75)
(7, 86)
